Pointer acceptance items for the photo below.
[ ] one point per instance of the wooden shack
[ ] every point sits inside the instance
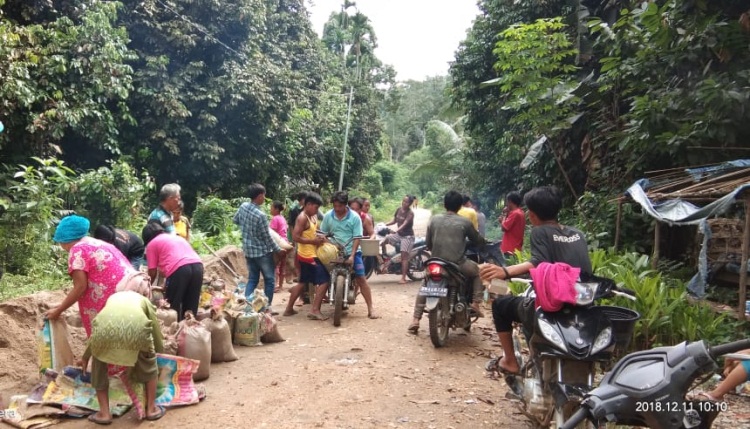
(691, 194)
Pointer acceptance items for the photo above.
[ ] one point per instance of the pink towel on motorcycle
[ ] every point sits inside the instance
(554, 285)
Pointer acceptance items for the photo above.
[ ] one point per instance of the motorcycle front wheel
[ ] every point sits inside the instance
(438, 319)
(416, 268)
(338, 300)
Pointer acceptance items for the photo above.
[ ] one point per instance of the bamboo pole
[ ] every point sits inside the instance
(657, 244)
(743, 264)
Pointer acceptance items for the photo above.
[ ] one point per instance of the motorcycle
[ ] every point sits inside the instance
(341, 290)
(448, 299)
(648, 388)
(390, 263)
(564, 349)
(488, 253)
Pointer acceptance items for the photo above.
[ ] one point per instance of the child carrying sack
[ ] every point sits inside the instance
(194, 342)
(221, 337)
(52, 345)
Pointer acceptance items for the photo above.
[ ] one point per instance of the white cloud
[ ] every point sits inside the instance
(417, 37)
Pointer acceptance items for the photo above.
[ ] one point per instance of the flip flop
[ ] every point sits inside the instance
(290, 313)
(313, 316)
(92, 418)
(158, 415)
(493, 365)
(413, 328)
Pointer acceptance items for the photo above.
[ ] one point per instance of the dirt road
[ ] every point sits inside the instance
(364, 374)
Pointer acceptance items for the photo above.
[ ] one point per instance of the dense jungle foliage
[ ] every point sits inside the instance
(102, 102)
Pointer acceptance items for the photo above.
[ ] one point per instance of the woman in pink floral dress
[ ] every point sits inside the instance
(95, 266)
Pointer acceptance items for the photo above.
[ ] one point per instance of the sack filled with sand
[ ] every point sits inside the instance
(221, 337)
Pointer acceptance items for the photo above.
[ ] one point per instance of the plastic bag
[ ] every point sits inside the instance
(53, 346)
(221, 337)
(194, 342)
(269, 329)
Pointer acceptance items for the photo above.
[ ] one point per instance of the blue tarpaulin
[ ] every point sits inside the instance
(676, 211)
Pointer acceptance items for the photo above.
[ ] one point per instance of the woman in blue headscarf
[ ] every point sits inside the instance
(95, 266)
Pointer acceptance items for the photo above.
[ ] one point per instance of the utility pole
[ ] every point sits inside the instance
(346, 138)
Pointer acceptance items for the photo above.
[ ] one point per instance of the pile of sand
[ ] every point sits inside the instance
(21, 317)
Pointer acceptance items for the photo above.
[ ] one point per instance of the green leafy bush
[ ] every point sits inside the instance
(213, 216)
(667, 316)
(112, 195)
(35, 205)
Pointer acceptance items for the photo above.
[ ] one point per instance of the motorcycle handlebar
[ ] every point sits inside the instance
(576, 418)
(626, 291)
(732, 347)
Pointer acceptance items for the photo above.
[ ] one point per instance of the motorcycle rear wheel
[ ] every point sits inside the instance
(416, 268)
(438, 319)
(338, 301)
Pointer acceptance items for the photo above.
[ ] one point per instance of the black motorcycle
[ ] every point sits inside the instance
(565, 347)
(649, 388)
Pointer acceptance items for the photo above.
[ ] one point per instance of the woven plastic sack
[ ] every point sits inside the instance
(53, 346)
(194, 342)
(174, 386)
(221, 337)
(327, 252)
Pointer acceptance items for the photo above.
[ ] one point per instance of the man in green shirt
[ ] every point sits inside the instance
(446, 239)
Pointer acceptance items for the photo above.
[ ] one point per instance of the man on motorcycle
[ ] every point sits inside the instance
(446, 239)
(345, 224)
(550, 242)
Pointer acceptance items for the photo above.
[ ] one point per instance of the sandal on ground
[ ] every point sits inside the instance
(493, 365)
(290, 313)
(413, 328)
(160, 413)
(314, 316)
(94, 419)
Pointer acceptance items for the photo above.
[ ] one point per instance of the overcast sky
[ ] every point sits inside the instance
(417, 37)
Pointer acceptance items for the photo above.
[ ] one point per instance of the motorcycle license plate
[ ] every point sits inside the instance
(433, 291)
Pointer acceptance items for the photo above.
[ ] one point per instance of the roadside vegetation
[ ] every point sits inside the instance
(104, 102)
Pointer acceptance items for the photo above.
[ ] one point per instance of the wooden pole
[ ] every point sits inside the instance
(743, 264)
(617, 225)
(657, 244)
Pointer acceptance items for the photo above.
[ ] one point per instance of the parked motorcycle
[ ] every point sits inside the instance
(565, 348)
(648, 388)
(390, 263)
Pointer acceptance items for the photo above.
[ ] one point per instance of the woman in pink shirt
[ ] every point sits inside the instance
(175, 257)
(278, 224)
(95, 266)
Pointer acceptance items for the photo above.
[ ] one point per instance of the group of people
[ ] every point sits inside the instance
(448, 235)
(309, 231)
(113, 295)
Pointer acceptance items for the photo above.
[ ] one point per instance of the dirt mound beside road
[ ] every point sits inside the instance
(20, 319)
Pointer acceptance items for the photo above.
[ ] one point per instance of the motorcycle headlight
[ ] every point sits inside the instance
(549, 332)
(602, 340)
